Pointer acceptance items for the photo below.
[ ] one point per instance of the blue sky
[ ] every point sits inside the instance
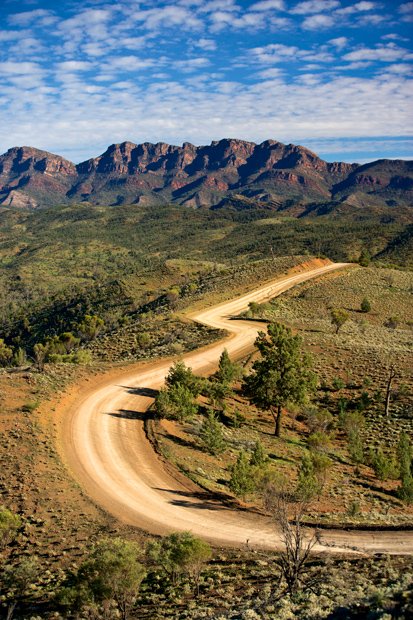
(332, 75)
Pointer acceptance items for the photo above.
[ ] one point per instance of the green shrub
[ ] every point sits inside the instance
(9, 526)
(356, 446)
(180, 553)
(258, 456)
(176, 403)
(211, 434)
(365, 305)
(180, 374)
(242, 481)
(405, 491)
(385, 466)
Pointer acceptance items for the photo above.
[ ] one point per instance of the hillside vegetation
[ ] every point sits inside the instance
(102, 286)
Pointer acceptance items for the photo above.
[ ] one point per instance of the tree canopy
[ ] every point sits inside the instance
(283, 374)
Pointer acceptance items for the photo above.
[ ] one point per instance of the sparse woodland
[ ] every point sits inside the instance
(342, 414)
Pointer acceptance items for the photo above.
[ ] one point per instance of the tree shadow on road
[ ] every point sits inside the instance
(141, 391)
(128, 414)
(205, 500)
(208, 500)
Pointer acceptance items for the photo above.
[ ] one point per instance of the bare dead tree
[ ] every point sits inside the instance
(298, 541)
(392, 375)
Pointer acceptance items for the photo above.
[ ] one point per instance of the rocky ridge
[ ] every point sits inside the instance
(226, 172)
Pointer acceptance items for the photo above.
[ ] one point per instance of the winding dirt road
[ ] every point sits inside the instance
(104, 445)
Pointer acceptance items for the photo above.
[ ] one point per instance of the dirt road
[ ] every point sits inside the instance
(104, 444)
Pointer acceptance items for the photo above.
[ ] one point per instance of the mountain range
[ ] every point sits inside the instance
(228, 172)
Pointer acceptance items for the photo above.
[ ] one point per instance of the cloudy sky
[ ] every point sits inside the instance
(332, 75)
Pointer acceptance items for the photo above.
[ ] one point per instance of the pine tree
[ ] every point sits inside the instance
(339, 316)
(180, 373)
(228, 371)
(258, 456)
(242, 479)
(355, 447)
(282, 375)
(176, 403)
(308, 485)
(211, 434)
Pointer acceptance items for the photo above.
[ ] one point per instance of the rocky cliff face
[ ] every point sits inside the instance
(271, 172)
(30, 177)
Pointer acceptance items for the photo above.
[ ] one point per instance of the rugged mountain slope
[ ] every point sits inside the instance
(30, 177)
(226, 171)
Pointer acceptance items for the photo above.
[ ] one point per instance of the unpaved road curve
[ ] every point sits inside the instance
(103, 442)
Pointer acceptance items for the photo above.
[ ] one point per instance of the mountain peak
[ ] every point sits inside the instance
(148, 173)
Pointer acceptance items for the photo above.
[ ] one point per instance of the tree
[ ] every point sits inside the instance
(294, 559)
(364, 259)
(40, 352)
(393, 374)
(217, 392)
(308, 484)
(180, 373)
(6, 353)
(339, 316)
(20, 357)
(282, 375)
(113, 571)
(405, 491)
(258, 456)
(242, 479)
(384, 465)
(180, 553)
(404, 454)
(69, 341)
(16, 581)
(176, 403)
(211, 434)
(318, 420)
(365, 305)
(228, 371)
(90, 327)
(9, 526)
(405, 459)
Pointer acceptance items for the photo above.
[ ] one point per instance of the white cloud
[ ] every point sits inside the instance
(209, 45)
(219, 5)
(155, 74)
(314, 6)
(274, 53)
(339, 42)
(168, 16)
(133, 43)
(354, 66)
(74, 65)
(401, 68)
(282, 23)
(392, 36)
(41, 16)
(357, 8)
(268, 5)
(407, 7)
(12, 35)
(20, 68)
(315, 22)
(191, 64)
(128, 63)
(278, 53)
(344, 106)
(220, 20)
(383, 53)
(371, 19)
